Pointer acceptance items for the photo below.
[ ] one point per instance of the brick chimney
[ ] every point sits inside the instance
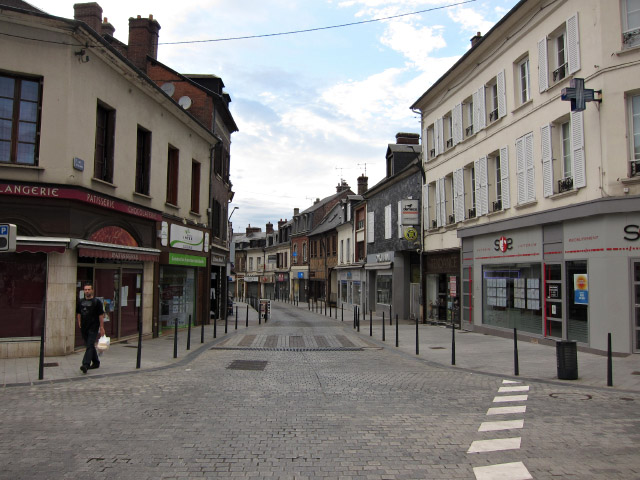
(269, 227)
(296, 211)
(107, 28)
(407, 138)
(281, 223)
(143, 40)
(363, 184)
(89, 13)
(475, 39)
(251, 230)
(342, 186)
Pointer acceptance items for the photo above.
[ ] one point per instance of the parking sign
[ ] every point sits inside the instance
(7, 237)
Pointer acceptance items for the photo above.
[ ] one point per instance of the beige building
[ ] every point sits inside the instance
(106, 177)
(532, 207)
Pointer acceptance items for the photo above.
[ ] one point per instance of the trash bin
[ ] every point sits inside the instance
(567, 358)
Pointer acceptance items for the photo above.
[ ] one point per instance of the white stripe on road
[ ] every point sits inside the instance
(501, 425)
(494, 445)
(510, 381)
(511, 398)
(507, 410)
(504, 471)
(519, 388)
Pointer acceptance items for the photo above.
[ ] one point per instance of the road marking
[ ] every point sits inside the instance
(519, 388)
(504, 471)
(501, 425)
(505, 382)
(507, 410)
(494, 445)
(511, 398)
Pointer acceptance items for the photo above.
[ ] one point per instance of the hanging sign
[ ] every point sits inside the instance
(410, 212)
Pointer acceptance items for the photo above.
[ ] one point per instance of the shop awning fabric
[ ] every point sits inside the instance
(88, 248)
(41, 244)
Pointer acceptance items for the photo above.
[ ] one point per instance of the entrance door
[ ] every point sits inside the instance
(636, 306)
(130, 301)
(107, 283)
(467, 296)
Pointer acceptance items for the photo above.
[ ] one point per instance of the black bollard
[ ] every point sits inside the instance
(397, 333)
(453, 345)
(236, 317)
(354, 317)
(202, 331)
(609, 363)
(247, 319)
(383, 322)
(215, 326)
(516, 366)
(390, 317)
(330, 314)
(342, 311)
(189, 334)
(417, 344)
(370, 323)
(226, 322)
(175, 339)
(358, 317)
(41, 364)
(139, 356)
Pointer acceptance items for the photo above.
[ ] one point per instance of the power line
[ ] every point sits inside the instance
(293, 32)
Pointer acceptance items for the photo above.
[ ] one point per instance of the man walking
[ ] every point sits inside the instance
(90, 315)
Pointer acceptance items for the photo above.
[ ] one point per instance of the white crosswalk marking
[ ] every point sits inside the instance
(501, 425)
(506, 382)
(504, 471)
(507, 410)
(519, 388)
(494, 445)
(511, 398)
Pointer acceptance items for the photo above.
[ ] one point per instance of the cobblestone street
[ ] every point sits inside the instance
(305, 396)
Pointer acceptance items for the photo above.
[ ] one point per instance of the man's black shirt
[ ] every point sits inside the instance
(90, 311)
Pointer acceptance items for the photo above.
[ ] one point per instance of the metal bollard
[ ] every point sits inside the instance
(383, 323)
(41, 364)
(226, 322)
(215, 326)
(236, 317)
(370, 323)
(516, 366)
(453, 345)
(247, 319)
(175, 339)
(189, 334)
(390, 317)
(358, 317)
(397, 333)
(417, 342)
(609, 363)
(202, 331)
(139, 355)
(342, 311)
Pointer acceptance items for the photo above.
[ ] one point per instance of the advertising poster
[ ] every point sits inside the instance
(581, 288)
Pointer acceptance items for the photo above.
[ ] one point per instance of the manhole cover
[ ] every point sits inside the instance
(50, 364)
(571, 396)
(247, 365)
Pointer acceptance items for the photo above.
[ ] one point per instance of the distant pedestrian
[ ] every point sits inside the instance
(90, 315)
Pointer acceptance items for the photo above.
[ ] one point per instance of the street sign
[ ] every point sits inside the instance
(8, 234)
(411, 234)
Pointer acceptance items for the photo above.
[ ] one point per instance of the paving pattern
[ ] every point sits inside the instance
(301, 398)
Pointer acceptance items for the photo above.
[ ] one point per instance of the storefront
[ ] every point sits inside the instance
(218, 286)
(268, 285)
(559, 281)
(282, 286)
(252, 286)
(299, 283)
(351, 287)
(442, 279)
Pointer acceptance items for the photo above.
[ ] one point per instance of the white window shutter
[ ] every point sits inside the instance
(502, 94)
(458, 196)
(573, 44)
(530, 167)
(543, 65)
(438, 203)
(348, 212)
(484, 187)
(504, 177)
(443, 201)
(387, 221)
(425, 207)
(476, 112)
(439, 136)
(436, 134)
(521, 171)
(482, 109)
(400, 219)
(457, 124)
(547, 161)
(577, 150)
(371, 216)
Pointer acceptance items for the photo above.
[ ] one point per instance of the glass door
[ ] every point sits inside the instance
(107, 286)
(553, 298)
(130, 301)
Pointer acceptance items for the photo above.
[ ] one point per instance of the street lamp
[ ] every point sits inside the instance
(234, 209)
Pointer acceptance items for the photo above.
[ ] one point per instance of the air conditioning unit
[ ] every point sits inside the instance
(452, 219)
(497, 205)
(472, 213)
(565, 184)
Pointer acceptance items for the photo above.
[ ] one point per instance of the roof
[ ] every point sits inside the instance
(404, 148)
(413, 167)
(324, 201)
(330, 221)
(21, 4)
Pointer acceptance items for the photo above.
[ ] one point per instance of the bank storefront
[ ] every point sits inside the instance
(561, 281)
(351, 286)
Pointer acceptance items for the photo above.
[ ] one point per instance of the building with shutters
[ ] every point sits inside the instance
(532, 203)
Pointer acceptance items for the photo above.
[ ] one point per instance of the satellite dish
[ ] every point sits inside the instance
(184, 102)
(168, 88)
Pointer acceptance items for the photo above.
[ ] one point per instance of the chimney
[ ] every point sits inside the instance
(363, 184)
(475, 39)
(296, 211)
(269, 227)
(317, 201)
(143, 40)
(89, 13)
(281, 223)
(407, 138)
(251, 230)
(107, 28)
(342, 186)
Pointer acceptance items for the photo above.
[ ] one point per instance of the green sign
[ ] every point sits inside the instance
(187, 260)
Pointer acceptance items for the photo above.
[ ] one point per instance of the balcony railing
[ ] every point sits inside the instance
(493, 115)
(469, 130)
(497, 205)
(472, 213)
(565, 184)
(450, 143)
(635, 168)
(560, 72)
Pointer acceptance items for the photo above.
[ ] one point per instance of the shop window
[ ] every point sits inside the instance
(343, 291)
(143, 161)
(577, 287)
(177, 296)
(636, 306)
(20, 106)
(356, 288)
(511, 297)
(383, 289)
(105, 143)
(23, 283)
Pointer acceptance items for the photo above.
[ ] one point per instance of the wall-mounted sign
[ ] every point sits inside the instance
(78, 164)
(581, 288)
(503, 244)
(300, 274)
(410, 212)
(632, 232)
(411, 234)
(164, 234)
(187, 260)
(186, 238)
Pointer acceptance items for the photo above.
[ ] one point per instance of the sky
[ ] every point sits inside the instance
(312, 108)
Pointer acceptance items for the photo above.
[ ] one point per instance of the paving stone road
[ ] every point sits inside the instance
(305, 397)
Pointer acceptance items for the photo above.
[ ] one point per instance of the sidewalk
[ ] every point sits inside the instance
(121, 357)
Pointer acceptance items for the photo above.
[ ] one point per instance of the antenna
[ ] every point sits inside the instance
(365, 168)
(341, 174)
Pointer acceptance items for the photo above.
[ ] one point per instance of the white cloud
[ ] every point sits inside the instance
(471, 20)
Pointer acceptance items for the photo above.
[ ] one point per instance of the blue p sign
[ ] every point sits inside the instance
(7, 237)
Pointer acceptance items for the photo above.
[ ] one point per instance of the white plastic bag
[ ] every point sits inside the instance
(103, 343)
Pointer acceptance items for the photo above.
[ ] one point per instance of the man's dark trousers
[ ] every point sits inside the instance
(91, 354)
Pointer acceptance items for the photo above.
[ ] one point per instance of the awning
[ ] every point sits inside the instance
(378, 266)
(88, 248)
(41, 244)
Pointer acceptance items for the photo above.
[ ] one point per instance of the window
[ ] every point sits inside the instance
(360, 251)
(341, 251)
(348, 250)
(383, 289)
(448, 130)
(431, 205)
(493, 99)
(438, 136)
(20, 106)
(143, 161)
(304, 251)
(468, 117)
(561, 59)
(172, 175)
(563, 154)
(524, 92)
(251, 264)
(295, 253)
(217, 219)
(470, 194)
(525, 169)
(360, 219)
(105, 143)
(195, 186)
(631, 23)
(430, 143)
(218, 158)
(495, 174)
(634, 109)
(565, 140)
(449, 199)
(559, 54)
